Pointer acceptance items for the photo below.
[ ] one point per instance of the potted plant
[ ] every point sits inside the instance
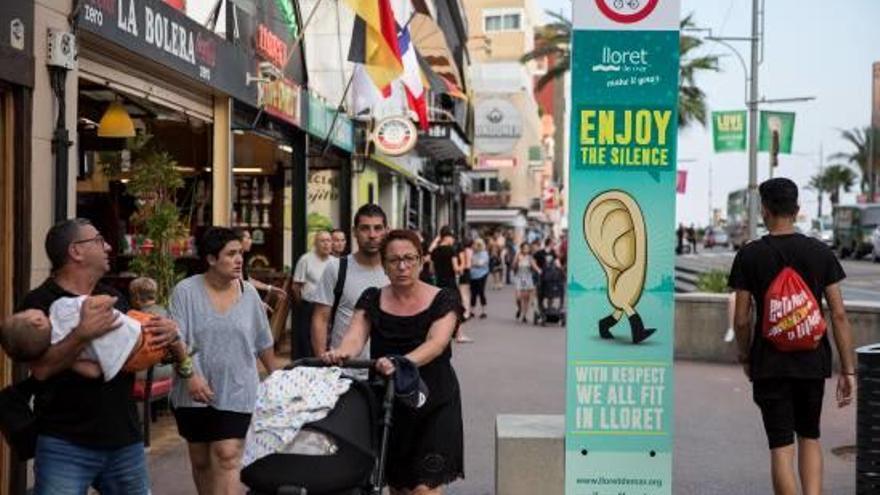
(154, 181)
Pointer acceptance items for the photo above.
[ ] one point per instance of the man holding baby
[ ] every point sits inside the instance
(88, 427)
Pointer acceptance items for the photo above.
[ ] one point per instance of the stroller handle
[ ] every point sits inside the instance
(361, 364)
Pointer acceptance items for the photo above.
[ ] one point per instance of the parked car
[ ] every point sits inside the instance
(854, 227)
(822, 229)
(715, 236)
(875, 241)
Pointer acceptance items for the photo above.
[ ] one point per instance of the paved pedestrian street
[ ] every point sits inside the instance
(517, 368)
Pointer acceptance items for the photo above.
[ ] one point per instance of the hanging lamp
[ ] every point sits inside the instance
(116, 123)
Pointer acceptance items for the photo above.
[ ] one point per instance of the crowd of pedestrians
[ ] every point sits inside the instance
(86, 424)
(397, 299)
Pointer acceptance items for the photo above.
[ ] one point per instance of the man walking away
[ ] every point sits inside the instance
(306, 277)
(788, 384)
(692, 238)
(679, 234)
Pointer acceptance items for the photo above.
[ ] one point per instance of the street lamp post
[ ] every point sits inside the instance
(753, 128)
(752, 103)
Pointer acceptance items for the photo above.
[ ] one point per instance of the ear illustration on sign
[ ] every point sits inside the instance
(614, 229)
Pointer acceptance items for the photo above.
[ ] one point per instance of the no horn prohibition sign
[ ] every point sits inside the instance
(626, 11)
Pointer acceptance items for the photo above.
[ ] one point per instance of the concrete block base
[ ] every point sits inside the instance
(529, 454)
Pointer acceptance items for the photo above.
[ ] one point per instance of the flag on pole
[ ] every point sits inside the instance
(681, 180)
(374, 42)
(412, 79)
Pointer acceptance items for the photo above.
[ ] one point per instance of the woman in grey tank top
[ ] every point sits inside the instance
(223, 320)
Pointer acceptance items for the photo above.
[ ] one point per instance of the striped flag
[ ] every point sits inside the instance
(412, 78)
(374, 42)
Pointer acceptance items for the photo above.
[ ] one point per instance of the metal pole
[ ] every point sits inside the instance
(872, 187)
(711, 223)
(753, 128)
(821, 173)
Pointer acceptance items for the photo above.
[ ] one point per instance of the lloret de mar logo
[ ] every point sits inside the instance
(625, 67)
(612, 60)
(626, 11)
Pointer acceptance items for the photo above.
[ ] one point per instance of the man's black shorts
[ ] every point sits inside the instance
(789, 406)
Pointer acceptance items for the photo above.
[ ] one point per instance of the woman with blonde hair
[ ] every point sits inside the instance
(524, 268)
(465, 261)
(479, 276)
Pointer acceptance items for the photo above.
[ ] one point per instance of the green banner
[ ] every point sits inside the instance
(729, 131)
(781, 122)
(619, 367)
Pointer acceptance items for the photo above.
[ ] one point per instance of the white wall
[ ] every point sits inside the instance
(48, 14)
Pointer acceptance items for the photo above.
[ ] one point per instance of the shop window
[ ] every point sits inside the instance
(107, 165)
(485, 184)
(259, 166)
(495, 20)
(494, 185)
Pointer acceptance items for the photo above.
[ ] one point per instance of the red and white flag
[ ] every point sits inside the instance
(412, 78)
(681, 179)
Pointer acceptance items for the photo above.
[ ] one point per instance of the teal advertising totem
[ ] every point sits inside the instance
(619, 373)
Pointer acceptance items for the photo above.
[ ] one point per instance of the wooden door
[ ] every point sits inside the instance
(6, 248)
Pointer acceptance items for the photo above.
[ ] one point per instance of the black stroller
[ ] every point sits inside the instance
(551, 296)
(360, 429)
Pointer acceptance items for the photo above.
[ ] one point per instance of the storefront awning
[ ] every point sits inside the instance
(431, 45)
(442, 142)
(402, 167)
(503, 216)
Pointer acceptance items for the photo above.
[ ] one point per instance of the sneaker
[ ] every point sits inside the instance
(518, 312)
(483, 316)
(729, 335)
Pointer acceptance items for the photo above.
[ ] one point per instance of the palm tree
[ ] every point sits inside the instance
(860, 139)
(554, 42)
(831, 180)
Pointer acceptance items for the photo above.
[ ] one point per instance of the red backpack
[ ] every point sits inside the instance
(792, 318)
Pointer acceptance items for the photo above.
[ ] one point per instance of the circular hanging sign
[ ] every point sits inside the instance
(395, 136)
(627, 11)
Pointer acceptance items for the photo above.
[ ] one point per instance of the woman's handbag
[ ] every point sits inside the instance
(17, 420)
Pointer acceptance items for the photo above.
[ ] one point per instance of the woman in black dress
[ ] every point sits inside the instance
(414, 320)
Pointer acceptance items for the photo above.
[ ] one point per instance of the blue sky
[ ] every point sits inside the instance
(812, 48)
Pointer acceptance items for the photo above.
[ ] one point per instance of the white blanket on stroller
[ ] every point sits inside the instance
(286, 401)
